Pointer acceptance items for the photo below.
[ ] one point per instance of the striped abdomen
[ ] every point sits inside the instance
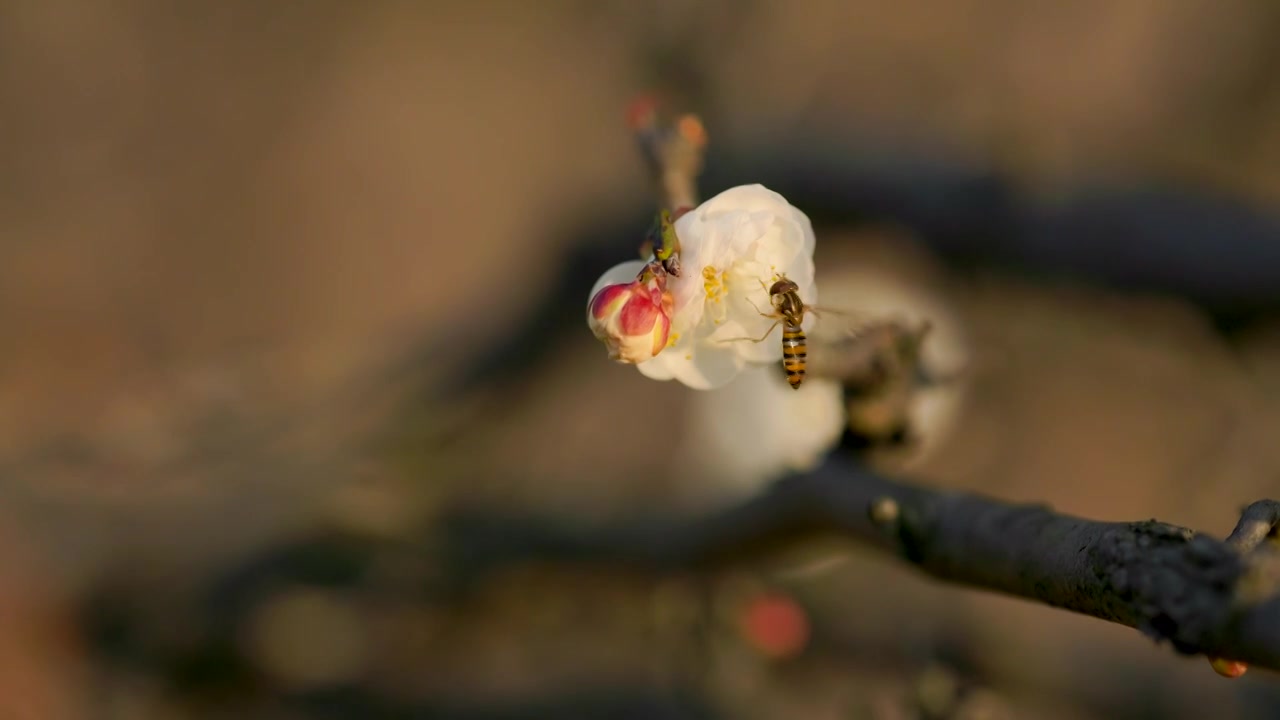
(793, 354)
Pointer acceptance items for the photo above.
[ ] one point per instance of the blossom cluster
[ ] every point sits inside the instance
(704, 326)
(707, 321)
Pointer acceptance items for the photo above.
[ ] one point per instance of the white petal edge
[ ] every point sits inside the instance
(704, 368)
(753, 197)
(620, 273)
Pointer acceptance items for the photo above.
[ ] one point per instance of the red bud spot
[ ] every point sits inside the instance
(775, 625)
(1228, 668)
(642, 112)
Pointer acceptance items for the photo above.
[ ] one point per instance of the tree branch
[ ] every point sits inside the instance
(1204, 596)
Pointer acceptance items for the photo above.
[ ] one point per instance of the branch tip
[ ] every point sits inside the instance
(673, 152)
(1258, 522)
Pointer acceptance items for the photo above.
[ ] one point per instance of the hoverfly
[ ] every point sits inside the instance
(789, 311)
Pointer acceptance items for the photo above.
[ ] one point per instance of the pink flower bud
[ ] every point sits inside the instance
(632, 319)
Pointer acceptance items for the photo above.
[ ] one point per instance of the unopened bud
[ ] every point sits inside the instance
(632, 319)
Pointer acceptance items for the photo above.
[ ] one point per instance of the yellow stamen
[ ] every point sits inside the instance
(715, 283)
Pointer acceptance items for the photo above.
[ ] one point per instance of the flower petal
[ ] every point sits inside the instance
(688, 297)
(706, 368)
(639, 315)
(733, 247)
(620, 273)
(764, 352)
(779, 250)
(608, 300)
(660, 367)
(745, 230)
(806, 230)
(711, 367)
(750, 198)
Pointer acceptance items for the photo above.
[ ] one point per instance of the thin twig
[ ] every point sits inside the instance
(1201, 595)
(672, 153)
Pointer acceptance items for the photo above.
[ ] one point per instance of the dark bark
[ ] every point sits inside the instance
(1204, 596)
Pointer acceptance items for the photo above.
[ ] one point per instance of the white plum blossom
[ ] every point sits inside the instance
(749, 427)
(732, 248)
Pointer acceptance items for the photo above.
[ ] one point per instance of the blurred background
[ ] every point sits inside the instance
(282, 285)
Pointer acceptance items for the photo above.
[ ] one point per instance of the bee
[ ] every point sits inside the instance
(789, 311)
(784, 295)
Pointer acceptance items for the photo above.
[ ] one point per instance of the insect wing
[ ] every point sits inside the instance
(848, 346)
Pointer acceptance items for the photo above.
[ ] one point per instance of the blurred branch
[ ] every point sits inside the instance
(1204, 596)
(1222, 255)
(1220, 252)
(673, 153)
(587, 703)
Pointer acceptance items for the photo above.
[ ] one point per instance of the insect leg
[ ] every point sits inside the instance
(762, 337)
(757, 307)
